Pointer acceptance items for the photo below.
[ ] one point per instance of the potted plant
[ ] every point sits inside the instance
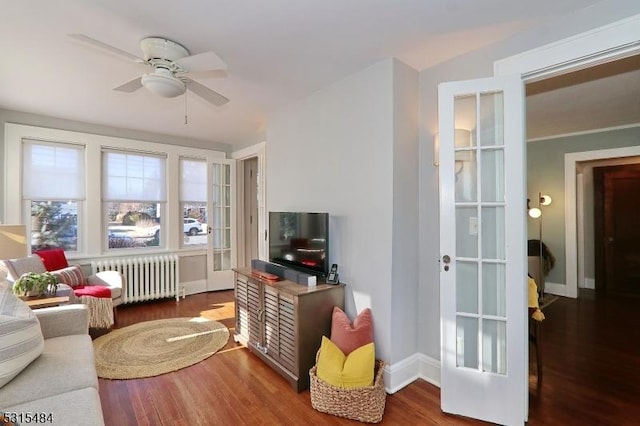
(34, 284)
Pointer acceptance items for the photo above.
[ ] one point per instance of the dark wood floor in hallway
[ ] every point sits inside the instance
(590, 360)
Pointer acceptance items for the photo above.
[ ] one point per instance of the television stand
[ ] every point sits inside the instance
(283, 322)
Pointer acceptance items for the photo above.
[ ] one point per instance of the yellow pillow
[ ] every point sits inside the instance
(352, 371)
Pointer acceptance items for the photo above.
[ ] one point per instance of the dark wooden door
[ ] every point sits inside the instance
(617, 220)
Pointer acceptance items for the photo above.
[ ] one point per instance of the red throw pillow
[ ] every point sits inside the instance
(350, 337)
(53, 259)
(73, 276)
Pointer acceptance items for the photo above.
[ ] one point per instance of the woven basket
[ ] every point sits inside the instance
(365, 404)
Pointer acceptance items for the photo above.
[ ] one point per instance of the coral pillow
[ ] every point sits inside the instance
(350, 337)
(346, 371)
(53, 259)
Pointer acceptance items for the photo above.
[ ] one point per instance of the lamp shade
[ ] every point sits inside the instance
(13, 241)
(535, 212)
(545, 200)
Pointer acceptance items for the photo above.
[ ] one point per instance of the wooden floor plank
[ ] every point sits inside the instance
(590, 360)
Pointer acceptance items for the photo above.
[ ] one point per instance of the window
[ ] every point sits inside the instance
(134, 197)
(53, 190)
(193, 201)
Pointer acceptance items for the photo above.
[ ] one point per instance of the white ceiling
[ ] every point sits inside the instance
(277, 51)
(595, 98)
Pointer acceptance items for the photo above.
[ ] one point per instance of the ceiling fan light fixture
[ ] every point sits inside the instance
(163, 85)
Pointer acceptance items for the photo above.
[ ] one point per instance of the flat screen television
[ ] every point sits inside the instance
(300, 241)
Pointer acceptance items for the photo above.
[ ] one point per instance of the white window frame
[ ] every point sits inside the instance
(92, 235)
(111, 199)
(27, 200)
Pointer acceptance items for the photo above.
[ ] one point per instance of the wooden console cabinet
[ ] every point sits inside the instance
(283, 322)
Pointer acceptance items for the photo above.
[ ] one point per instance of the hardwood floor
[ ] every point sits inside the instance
(590, 360)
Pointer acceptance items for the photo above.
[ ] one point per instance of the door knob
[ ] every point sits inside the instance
(446, 259)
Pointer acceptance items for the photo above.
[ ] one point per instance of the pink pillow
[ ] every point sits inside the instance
(53, 259)
(349, 337)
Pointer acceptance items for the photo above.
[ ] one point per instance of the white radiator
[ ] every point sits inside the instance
(147, 278)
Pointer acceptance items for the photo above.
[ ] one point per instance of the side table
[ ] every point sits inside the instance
(46, 302)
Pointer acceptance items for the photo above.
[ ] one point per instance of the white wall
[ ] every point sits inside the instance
(477, 64)
(334, 151)
(404, 291)
(546, 168)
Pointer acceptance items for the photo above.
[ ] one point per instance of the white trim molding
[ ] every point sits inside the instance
(555, 288)
(590, 283)
(250, 151)
(258, 151)
(617, 40)
(410, 369)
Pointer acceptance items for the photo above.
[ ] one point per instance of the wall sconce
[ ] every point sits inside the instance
(462, 139)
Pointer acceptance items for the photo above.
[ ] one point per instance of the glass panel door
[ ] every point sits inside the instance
(482, 276)
(221, 226)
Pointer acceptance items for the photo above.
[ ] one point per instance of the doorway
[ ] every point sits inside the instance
(617, 253)
(250, 210)
(606, 44)
(251, 200)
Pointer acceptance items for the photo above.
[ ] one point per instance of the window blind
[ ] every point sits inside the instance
(52, 171)
(193, 180)
(133, 177)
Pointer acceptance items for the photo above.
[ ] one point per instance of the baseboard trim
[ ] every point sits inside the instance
(194, 287)
(590, 283)
(410, 369)
(555, 288)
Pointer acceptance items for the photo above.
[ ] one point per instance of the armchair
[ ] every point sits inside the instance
(102, 292)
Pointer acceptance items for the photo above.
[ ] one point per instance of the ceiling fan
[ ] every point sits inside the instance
(172, 68)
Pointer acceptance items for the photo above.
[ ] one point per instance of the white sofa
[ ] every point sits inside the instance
(61, 384)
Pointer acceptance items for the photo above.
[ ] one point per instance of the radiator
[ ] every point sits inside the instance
(147, 278)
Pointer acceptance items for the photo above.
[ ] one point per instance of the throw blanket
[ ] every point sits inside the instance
(98, 299)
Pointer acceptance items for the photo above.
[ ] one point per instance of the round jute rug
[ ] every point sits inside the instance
(157, 347)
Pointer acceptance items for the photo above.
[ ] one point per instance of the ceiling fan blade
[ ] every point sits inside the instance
(96, 43)
(202, 62)
(130, 86)
(205, 93)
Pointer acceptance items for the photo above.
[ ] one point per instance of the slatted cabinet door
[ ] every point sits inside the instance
(286, 332)
(254, 292)
(248, 311)
(242, 308)
(271, 321)
(283, 322)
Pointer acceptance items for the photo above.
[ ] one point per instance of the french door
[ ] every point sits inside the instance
(221, 247)
(482, 239)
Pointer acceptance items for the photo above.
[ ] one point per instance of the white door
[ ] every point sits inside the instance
(483, 306)
(221, 253)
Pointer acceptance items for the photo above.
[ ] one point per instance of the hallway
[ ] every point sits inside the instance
(591, 362)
